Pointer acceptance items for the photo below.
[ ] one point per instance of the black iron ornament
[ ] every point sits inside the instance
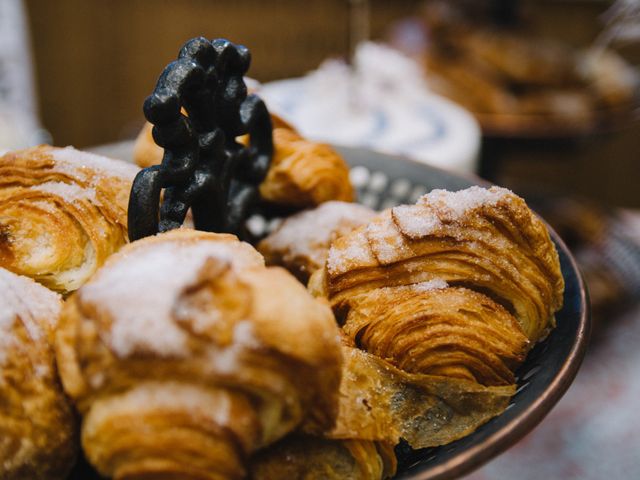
(204, 167)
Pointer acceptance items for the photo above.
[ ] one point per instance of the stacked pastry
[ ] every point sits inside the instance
(62, 213)
(439, 303)
(185, 354)
(37, 426)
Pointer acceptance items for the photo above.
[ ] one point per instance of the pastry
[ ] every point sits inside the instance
(62, 213)
(185, 354)
(303, 173)
(301, 242)
(300, 456)
(433, 329)
(37, 425)
(484, 239)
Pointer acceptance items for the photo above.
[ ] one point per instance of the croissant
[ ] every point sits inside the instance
(484, 239)
(37, 425)
(300, 456)
(62, 213)
(303, 173)
(301, 242)
(185, 355)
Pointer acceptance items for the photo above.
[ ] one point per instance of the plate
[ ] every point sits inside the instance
(383, 181)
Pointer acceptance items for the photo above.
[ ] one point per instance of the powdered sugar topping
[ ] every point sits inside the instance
(441, 206)
(77, 160)
(23, 300)
(69, 192)
(140, 289)
(309, 233)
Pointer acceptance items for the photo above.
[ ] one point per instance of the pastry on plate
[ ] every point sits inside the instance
(301, 242)
(37, 425)
(185, 355)
(62, 213)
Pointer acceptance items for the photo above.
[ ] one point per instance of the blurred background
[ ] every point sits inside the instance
(539, 96)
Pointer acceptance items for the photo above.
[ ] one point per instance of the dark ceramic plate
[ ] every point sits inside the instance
(383, 181)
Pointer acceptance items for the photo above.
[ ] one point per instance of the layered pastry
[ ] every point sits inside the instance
(484, 239)
(302, 241)
(303, 173)
(37, 425)
(62, 213)
(185, 355)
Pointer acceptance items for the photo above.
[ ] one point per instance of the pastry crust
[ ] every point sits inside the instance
(62, 213)
(185, 355)
(484, 239)
(301, 243)
(37, 425)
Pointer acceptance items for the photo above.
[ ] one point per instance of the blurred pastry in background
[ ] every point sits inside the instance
(62, 213)
(513, 78)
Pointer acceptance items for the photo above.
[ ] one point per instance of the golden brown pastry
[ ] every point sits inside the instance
(185, 355)
(433, 329)
(304, 457)
(303, 173)
(62, 213)
(37, 425)
(301, 242)
(483, 239)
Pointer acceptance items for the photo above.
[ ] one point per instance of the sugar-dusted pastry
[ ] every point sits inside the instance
(62, 213)
(304, 173)
(185, 355)
(37, 425)
(301, 242)
(300, 456)
(484, 239)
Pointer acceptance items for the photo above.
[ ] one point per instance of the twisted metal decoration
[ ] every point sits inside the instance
(204, 167)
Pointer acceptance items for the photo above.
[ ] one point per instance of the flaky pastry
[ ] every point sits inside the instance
(301, 242)
(62, 213)
(37, 425)
(185, 354)
(484, 239)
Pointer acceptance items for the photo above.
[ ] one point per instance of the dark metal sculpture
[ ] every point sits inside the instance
(204, 167)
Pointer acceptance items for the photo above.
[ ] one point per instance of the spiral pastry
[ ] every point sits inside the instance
(37, 425)
(185, 355)
(62, 213)
(484, 239)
